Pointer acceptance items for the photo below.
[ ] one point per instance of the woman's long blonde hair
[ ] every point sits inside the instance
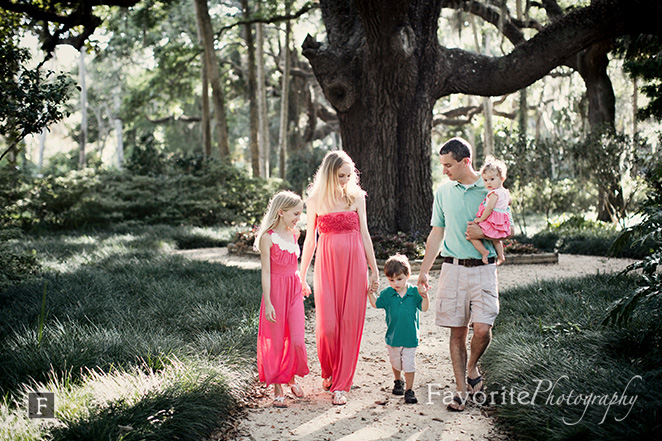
(283, 200)
(326, 186)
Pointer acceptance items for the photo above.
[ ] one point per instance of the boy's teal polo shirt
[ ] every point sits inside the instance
(401, 316)
(455, 205)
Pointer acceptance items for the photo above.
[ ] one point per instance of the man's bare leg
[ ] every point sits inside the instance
(482, 336)
(458, 350)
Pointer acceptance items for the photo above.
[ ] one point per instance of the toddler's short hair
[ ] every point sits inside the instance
(397, 265)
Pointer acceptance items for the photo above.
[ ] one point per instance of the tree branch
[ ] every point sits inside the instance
(269, 20)
(172, 118)
(474, 74)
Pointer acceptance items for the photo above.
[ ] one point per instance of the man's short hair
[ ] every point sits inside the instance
(397, 265)
(458, 147)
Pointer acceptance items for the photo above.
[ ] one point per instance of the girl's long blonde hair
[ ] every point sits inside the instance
(326, 186)
(283, 200)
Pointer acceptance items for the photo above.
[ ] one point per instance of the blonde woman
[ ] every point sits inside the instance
(336, 210)
(281, 349)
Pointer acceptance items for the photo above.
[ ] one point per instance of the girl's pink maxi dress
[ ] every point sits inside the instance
(281, 349)
(341, 286)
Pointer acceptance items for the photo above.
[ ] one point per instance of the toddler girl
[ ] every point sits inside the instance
(492, 215)
(281, 350)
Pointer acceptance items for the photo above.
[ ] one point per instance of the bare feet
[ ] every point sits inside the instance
(485, 254)
(500, 259)
(326, 383)
(339, 398)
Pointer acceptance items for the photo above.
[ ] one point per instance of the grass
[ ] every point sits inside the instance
(135, 342)
(549, 339)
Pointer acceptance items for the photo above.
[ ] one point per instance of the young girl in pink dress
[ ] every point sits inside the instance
(281, 349)
(336, 211)
(492, 215)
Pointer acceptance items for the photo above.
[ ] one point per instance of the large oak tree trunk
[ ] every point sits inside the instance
(376, 75)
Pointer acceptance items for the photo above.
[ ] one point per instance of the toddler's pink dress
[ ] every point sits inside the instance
(497, 224)
(281, 349)
(341, 285)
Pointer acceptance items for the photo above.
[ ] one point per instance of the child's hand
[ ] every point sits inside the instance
(270, 312)
(423, 291)
(477, 220)
(374, 283)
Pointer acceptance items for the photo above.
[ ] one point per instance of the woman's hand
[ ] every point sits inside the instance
(305, 288)
(373, 282)
(270, 312)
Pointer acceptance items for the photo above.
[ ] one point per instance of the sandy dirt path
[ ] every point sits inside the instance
(372, 412)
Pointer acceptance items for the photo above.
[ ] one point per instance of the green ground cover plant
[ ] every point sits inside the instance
(135, 342)
(179, 192)
(550, 343)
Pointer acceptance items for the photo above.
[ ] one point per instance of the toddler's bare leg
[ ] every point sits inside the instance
(498, 247)
(478, 244)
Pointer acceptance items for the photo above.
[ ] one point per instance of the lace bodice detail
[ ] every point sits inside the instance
(283, 256)
(290, 247)
(338, 222)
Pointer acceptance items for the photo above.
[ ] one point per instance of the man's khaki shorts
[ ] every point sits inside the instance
(467, 295)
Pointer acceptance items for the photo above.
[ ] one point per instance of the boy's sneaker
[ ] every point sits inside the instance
(410, 397)
(398, 387)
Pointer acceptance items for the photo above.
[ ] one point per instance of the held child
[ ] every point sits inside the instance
(402, 303)
(492, 215)
(281, 350)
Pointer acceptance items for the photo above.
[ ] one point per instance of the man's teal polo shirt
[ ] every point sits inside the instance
(456, 204)
(402, 321)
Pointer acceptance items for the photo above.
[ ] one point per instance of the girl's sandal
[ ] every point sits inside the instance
(339, 398)
(326, 384)
(280, 401)
(297, 391)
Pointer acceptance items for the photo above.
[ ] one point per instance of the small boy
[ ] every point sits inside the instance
(402, 302)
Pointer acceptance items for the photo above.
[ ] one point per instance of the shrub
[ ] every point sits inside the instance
(513, 246)
(648, 235)
(387, 245)
(200, 194)
(15, 265)
(577, 235)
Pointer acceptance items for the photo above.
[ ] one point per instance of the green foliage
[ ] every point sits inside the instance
(30, 99)
(540, 178)
(577, 235)
(549, 340)
(648, 234)
(173, 190)
(643, 61)
(301, 167)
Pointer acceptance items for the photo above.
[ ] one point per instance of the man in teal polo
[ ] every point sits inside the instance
(467, 292)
